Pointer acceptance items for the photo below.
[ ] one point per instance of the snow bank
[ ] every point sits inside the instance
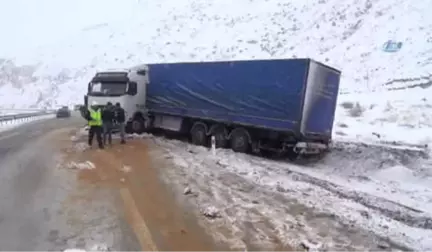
(87, 165)
(402, 116)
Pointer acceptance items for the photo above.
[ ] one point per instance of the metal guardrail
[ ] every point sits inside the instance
(7, 118)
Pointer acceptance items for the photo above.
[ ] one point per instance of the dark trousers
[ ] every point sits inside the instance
(122, 132)
(107, 132)
(95, 130)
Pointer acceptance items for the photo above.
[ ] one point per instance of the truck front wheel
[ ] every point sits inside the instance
(128, 128)
(240, 140)
(138, 125)
(199, 135)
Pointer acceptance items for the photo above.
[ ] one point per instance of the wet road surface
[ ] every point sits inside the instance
(43, 206)
(48, 201)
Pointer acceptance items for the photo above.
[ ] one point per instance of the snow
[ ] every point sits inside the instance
(65, 51)
(126, 169)
(4, 112)
(87, 165)
(356, 198)
(363, 201)
(416, 188)
(403, 117)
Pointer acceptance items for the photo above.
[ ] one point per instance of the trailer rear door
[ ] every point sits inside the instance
(319, 105)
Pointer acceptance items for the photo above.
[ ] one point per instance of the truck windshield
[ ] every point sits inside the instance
(107, 88)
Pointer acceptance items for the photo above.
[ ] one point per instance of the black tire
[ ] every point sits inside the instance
(138, 125)
(292, 155)
(220, 137)
(267, 153)
(240, 141)
(199, 135)
(128, 128)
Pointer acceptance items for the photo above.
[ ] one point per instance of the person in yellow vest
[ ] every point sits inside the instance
(95, 124)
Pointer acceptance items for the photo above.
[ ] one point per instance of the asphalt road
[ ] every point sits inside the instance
(36, 210)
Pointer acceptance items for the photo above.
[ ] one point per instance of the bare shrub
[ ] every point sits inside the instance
(340, 133)
(342, 125)
(356, 111)
(347, 105)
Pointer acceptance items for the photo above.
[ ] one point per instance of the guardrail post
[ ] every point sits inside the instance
(21, 118)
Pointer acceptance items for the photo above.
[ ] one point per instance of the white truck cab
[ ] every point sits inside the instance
(124, 86)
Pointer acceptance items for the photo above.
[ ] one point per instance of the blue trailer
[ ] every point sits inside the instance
(259, 104)
(283, 105)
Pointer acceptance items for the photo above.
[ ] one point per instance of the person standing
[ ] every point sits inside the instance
(95, 124)
(120, 117)
(85, 113)
(108, 122)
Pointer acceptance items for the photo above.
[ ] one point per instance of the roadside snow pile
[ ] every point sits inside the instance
(211, 212)
(80, 147)
(346, 201)
(87, 165)
(126, 169)
(99, 247)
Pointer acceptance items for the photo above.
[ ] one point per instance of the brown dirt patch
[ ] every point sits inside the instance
(130, 169)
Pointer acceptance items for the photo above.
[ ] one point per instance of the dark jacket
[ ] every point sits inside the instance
(108, 115)
(120, 116)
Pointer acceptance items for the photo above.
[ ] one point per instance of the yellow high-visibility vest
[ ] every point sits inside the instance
(96, 118)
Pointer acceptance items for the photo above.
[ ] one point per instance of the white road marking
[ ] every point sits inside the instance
(138, 223)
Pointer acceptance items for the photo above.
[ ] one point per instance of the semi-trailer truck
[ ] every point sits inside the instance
(285, 105)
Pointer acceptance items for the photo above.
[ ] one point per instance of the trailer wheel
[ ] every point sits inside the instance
(199, 134)
(292, 155)
(240, 140)
(138, 125)
(220, 134)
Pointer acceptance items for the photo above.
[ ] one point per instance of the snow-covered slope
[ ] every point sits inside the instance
(53, 47)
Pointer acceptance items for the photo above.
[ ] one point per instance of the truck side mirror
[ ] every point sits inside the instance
(86, 101)
(132, 88)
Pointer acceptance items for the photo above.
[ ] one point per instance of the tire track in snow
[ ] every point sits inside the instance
(396, 211)
(391, 209)
(342, 160)
(268, 219)
(357, 151)
(385, 155)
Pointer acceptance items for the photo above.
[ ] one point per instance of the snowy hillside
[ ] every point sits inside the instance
(54, 47)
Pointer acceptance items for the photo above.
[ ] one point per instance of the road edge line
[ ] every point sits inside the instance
(137, 222)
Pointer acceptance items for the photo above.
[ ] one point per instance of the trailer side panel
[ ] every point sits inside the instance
(260, 93)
